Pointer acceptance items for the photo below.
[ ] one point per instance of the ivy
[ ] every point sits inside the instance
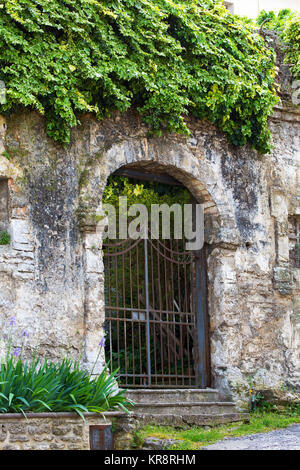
(291, 38)
(167, 58)
(287, 24)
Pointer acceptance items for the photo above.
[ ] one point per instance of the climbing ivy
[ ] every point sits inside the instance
(287, 24)
(291, 38)
(168, 58)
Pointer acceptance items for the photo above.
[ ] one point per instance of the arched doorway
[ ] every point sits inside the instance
(155, 303)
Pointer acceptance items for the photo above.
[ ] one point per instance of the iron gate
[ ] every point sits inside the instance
(155, 320)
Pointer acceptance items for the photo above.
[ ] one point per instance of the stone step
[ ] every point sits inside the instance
(185, 408)
(182, 421)
(173, 395)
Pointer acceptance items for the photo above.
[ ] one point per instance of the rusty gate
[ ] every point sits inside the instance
(156, 326)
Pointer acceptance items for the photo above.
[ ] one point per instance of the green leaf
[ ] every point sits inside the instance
(167, 58)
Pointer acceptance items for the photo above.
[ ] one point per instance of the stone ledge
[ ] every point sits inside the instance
(62, 414)
(180, 421)
(289, 114)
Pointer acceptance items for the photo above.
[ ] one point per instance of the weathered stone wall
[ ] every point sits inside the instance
(51, 274)
(48, 431)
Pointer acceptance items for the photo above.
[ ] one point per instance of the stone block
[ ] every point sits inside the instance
(279, 204)
(61, 430)
(72, 439)
(41, 428)
(78, 430)
(23, 246)
(57, 446)
(283, 253)
(19, 230)
(26, 267)
(94, 263)
(11, 447)
(23, 276)
(16, 428)
(282, 274)
(19, 438)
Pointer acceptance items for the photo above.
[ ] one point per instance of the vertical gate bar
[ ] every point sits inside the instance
(147, 312)
(173, 308)
(139, 313)
(181, 350)
(117, 302)
(167, 316)
(132, 320)
(160, 318)
(179, 271)
(109, 261)
(109, 313)
(178, 279)
(166, 281)
(185, 290)
(187, 321)
(154, 307)
(124, 314)
(110, 347)
(192, 318)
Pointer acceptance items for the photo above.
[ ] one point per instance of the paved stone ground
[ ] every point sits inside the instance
(283, 439)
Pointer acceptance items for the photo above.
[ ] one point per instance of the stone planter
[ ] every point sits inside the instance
(56, 431)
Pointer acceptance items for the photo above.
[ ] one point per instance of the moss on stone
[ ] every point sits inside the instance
(4, 238)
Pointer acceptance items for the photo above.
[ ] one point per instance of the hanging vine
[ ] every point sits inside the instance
(167, 58)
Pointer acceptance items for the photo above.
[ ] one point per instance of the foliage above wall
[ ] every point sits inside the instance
(287, 24)
(168, 58)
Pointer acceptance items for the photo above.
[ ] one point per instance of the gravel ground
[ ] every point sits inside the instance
(283, 439)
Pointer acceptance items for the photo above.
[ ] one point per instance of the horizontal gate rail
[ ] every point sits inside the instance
(129, 309)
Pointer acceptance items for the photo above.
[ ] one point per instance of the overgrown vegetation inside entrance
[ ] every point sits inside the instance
(166, 58)
(143, 192)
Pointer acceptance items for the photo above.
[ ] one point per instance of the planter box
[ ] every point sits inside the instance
(56, 431)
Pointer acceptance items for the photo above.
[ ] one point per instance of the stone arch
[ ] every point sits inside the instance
(174, 158)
